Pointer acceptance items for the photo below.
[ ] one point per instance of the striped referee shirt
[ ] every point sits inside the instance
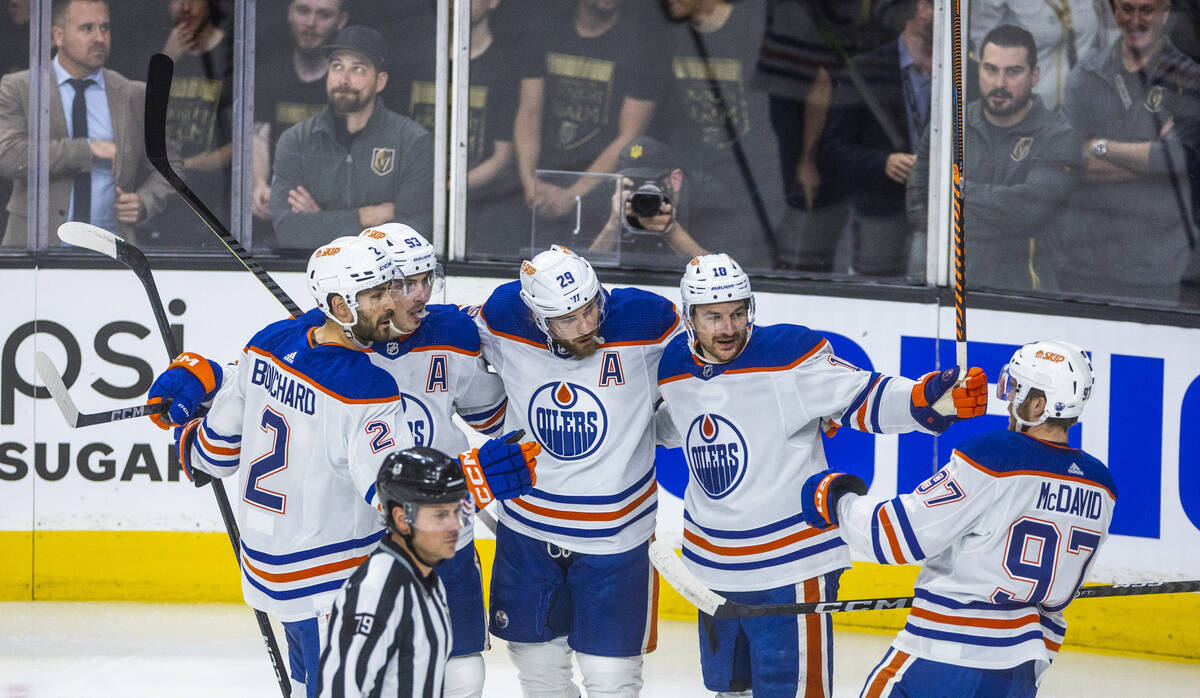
(389, 633)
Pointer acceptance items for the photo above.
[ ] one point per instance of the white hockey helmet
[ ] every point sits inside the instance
(557, 282)
(411, 252)
(1061, 370)
(347, 266)
(714, 278)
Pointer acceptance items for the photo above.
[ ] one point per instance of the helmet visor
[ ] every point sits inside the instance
(426, 284)
(451, 516)
(1007, 384)
(579, 322)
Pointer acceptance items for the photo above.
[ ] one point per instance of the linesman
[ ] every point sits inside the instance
(389, 634)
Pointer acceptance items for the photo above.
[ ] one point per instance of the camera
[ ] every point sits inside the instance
(647, 199)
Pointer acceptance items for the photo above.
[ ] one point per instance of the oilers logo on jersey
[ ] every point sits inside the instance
(568, 419)
(716, 454)
(419, 419)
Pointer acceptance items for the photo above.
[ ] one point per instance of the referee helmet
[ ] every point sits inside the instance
(416, 476)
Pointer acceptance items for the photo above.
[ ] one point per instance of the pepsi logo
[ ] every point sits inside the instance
(567, 419)
(419, 419)
(716, 454)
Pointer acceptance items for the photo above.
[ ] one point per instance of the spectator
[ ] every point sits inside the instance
(883, 106)
(98, 167)
(290, 88)
(587, 91)
(694, 214)
(356, 164)
(714, 116)
(803, 44)
(1137, 105)
(199, 117)
(494, 205)
(1066, 32)
(411, 52)
(1021, 166)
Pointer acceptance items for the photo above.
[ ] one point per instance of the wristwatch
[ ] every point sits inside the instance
(1100, 148)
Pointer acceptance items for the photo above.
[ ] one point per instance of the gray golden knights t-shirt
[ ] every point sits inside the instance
(586, 82)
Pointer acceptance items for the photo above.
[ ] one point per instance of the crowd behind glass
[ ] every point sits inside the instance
(793, 134)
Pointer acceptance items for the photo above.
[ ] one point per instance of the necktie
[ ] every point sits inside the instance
(79, 129)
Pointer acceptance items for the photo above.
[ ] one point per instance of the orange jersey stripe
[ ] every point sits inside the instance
(814, 685)
(1051, 645)
(1035, 473)
(861, 414)
(444, 347)
(885, 522)
(880, 681)
(494, 418)
(787, 540)
(306, 573)
(995, 623)
(219, 450)
(586, 515)
(793, 364)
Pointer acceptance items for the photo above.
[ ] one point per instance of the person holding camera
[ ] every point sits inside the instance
(661, 210)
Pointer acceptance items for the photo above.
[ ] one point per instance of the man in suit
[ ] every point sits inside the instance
(880, 111)
(98, 168)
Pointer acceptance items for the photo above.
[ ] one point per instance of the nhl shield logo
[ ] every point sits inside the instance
(1154, 98)
(383, 160)
(707, 370)
(716, 454)
(568, 420)
(1020, 149)
(393, 348)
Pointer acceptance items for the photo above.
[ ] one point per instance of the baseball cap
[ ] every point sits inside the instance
(359, 39)
(645, 158)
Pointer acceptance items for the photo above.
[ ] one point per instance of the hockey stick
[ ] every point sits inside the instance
(957, 175)
(53, 382)
(158, 94)
(678, 576)
(102, 241)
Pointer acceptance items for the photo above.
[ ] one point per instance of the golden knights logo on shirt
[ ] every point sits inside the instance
(568, 419)
(383, 160)
(716, 453)
(1020, 149)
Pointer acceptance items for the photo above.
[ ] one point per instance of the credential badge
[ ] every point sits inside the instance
(383, 160)
(1021, 148)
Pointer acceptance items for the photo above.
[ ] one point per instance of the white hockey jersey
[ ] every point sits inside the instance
(314, 421)
(439, 371)
(1007, 531)
(595, 491)
(751, 434)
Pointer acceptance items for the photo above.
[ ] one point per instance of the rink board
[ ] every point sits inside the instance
(104, 512)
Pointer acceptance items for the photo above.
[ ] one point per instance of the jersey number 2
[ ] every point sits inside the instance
(266, 465)
(1032, 556)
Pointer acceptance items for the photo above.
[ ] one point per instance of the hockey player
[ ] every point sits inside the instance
(1006, 531)
(389, 632)
(434, 357)
(572, 570)
(312, 413)
(748, 403)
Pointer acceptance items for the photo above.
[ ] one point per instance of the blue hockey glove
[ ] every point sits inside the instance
(185, 435)
(937, 402)
(190, 381)
(501, 468)
(821, 492)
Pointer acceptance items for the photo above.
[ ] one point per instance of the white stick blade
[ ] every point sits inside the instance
(672, 569)
(90, 236)
(58, 390)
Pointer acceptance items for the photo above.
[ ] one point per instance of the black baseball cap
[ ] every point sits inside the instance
(645, 158)
(359, 39)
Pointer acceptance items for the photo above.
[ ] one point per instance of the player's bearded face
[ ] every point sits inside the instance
(375, 312)
(721, 329)
(578, 332)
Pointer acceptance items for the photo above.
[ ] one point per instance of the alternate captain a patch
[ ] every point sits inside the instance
(383, 160)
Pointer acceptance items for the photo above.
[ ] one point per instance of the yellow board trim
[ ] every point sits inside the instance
(199, 567)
